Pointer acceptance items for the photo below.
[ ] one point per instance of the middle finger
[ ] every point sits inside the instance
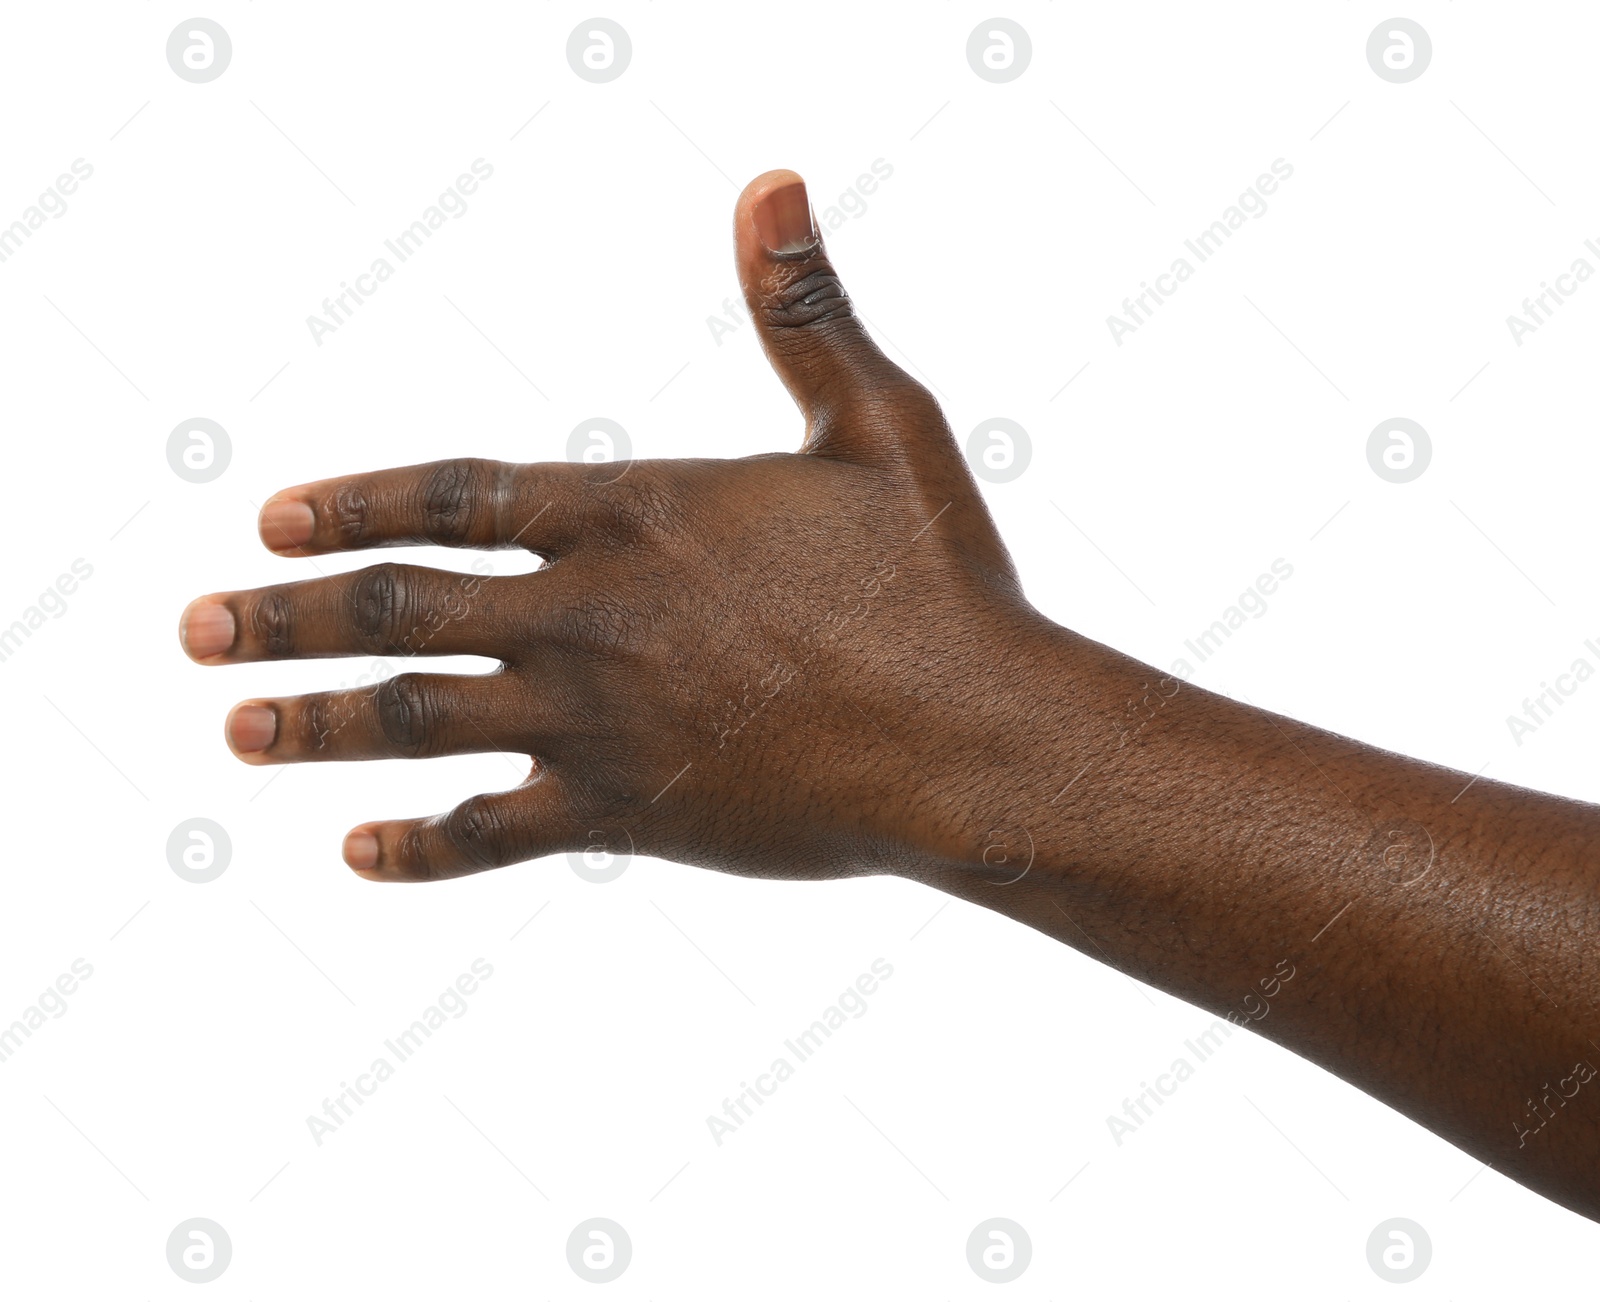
(387, 609)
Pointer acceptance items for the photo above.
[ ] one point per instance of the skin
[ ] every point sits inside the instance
(821, 664)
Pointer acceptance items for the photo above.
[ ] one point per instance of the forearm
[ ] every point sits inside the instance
(1442, 940)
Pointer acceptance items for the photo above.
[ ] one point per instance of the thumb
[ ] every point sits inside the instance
(858, 404)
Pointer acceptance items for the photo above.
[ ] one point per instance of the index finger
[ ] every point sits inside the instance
(463, 502)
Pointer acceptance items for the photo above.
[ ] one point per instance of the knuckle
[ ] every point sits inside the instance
(317, 724)
(406, 712)
(613, 789)
(596, 624)
(632, 512)
(917, 404)
(381, 599)
(894, 408)
(479, 831)
(808, 300)
(454, 497)
(351, 511)
(272, 623)
(411, 853)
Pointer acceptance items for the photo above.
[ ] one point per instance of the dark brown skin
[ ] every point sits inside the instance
(821, 664)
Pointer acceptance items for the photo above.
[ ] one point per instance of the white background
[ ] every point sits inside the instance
(579, 284)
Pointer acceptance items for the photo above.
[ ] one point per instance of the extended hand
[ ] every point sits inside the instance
(726, 663)
(821, 663)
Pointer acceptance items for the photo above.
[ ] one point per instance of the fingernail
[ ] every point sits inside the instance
(783, 219)
(252, 728)
(207, 629)
(286, 524)
(361, 851)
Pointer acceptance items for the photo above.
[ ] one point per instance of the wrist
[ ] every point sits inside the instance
(1006, 764)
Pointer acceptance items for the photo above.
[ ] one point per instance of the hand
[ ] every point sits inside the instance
(821, 663)
(725, 663)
